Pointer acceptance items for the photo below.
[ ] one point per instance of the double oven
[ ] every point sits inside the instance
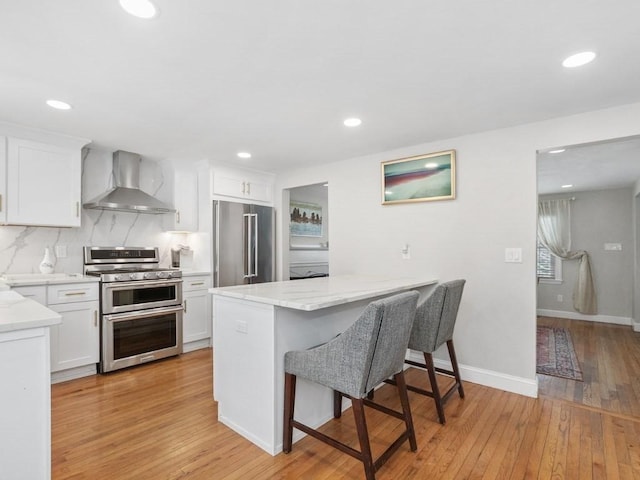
(140, 305)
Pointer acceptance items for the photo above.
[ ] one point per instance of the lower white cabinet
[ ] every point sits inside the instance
(75, 342)
(196, 329)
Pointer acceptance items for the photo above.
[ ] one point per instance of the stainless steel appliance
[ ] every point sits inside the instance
(140, 305)
(243, 243)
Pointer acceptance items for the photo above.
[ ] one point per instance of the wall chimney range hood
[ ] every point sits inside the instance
(126, 196)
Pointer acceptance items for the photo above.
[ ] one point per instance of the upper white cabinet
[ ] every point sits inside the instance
(40, 183)
(185, 200)
(243, 184)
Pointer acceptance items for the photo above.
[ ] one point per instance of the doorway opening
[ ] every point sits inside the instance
(308, 215)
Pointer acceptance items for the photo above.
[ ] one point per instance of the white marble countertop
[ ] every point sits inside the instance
(316, 293)
(23, 279)
(19, 313)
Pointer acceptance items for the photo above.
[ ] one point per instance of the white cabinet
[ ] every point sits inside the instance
(185, 199)
(40, 184)
(25, 417)
(244, 184)
(75, 342)
(196, 326)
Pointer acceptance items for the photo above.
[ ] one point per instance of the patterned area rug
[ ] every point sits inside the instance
(556, 355)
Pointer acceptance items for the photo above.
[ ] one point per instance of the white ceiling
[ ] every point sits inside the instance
(595, 166)
(209, 78)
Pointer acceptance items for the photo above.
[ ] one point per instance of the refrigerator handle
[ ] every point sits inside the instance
(255, 244)
(246, 231)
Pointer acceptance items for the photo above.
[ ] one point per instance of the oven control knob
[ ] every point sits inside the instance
(148, 275)
(163, 275)
(169, 275)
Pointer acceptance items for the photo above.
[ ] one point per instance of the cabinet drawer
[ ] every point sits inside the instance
(72, 292)
(37, 293)
(196, 283)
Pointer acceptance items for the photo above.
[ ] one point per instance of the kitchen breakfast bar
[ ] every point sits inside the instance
(255, 325)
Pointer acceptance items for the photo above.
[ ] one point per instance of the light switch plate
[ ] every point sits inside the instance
(60, 251)
(513, 255)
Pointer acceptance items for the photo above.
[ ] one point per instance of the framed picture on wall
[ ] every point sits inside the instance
(421, 178)
(305, 219)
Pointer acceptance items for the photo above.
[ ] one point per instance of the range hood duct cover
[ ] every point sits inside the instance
(126, 196)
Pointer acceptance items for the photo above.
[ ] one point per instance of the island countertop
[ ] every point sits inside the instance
(316, 293)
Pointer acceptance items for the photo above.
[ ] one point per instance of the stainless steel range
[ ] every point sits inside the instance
(140, 305)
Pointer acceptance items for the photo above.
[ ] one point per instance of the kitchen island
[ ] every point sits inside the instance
(25, 413)
(255, 325)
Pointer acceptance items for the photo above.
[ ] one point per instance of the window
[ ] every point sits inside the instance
(549, 267)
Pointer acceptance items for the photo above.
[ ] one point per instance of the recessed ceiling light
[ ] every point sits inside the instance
(559, 150)
(59, 105)
(352, 122)
(567, 186)
(244, 155)
(578, 59)
(139, 8)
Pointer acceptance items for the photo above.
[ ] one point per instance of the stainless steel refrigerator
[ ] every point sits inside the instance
(243, 243)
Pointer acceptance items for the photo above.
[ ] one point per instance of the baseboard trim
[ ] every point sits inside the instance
(73, 373)
(196, 345)
(489, 378)
(589, 318)
(636, 326)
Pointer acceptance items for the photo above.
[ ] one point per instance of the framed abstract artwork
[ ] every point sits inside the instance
(421, 178)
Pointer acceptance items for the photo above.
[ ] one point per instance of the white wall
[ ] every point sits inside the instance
(597, 217)
(465, 237)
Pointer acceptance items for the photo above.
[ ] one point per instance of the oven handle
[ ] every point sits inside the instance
(142, 284)
(152, 312)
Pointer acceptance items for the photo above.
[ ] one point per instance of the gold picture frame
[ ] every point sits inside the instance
(421, 178)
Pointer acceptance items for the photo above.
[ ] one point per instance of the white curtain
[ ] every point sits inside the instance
(554, 232)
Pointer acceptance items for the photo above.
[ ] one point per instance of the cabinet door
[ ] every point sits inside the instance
(186, 201)
(257, 190)
(76, 341)
(230, 186)
(197, 316)
(248, 187)
(43, 184)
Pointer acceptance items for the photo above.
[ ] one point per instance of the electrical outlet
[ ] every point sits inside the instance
(61, 251)
(560, 298)
(241, 326)
(406, 252)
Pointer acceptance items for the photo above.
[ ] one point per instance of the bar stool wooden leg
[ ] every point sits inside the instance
(454, 364)
(406, 409)
(337, 404)
(363, 435)
(428, 360)
(289, 404)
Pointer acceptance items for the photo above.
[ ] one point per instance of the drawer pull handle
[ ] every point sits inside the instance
(184, 306)
(95, 318)
(72, 294)
(197, 283)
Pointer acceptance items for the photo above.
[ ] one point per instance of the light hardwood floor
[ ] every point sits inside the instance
(159, 421)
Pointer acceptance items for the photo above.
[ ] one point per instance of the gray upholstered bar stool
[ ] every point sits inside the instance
(351, 364)
(433, 326)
